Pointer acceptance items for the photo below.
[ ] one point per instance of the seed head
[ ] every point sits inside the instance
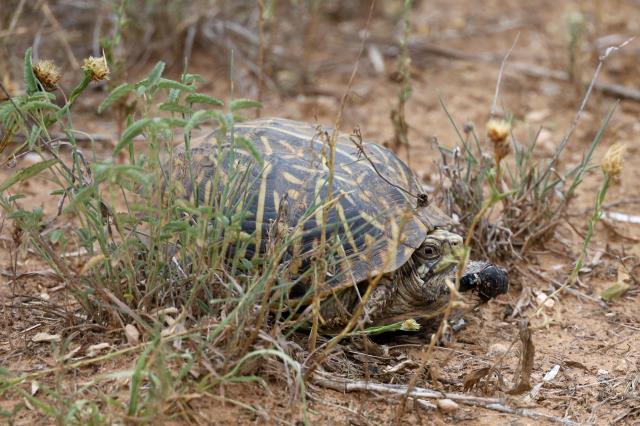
(410, 325)
(96, 68)
(613, 159)
(498, 132)
(48, 74)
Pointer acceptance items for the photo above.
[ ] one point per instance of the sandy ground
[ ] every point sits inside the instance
(595, 344)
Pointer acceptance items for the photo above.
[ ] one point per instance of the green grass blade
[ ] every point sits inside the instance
(26, 173)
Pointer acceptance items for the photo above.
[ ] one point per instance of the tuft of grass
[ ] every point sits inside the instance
(160, 254)
(535, 194)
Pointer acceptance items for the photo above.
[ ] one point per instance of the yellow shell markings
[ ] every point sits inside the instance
(371, 220)
(347, 228)
(266, 145)
(347, 196)
(291, 178)
(303, 160)
(302, 135)
(261, 202)
(293, 194)
(320, 210)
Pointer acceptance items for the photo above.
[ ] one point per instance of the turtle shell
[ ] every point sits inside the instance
(374, 223)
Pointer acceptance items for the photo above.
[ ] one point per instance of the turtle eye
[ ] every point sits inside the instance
(430, 251)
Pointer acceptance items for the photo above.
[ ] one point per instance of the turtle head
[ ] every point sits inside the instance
(437, 262)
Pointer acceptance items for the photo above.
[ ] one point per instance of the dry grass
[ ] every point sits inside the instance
(149, 317)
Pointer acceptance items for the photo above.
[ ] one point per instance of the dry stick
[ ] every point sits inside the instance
(16, 16)
(583, 105)
(60, 34)
(496, 404)
(494, 104)
(260, 54)
(313, 336)
(527, 69)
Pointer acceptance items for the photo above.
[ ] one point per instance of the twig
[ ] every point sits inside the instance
(496, 404)
(556, 284)
(261, 49)
(531, 70)
(494, 104)
(16, 16)
(583, 105)
(60, 33)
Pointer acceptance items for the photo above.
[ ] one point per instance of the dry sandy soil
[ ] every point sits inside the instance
(595, 344)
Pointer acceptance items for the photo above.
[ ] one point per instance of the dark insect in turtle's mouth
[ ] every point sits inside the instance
(488, 281)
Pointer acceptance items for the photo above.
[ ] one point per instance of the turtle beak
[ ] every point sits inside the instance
(488, 280)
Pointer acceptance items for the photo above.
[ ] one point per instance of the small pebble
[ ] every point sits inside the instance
(447, 405)
(497, 349)
(132, 334)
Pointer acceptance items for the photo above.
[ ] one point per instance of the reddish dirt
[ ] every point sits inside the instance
(595, 344)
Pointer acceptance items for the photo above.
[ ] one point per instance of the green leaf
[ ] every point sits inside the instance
(155, 74)
(200, 117)
(136, 381)
(81, 197)
(164, 83)
(131, 132)
(174, 107)
(247, 145)
(56, 235)
(192, 78)
(30, 106)
(172, 122)
(33, 136)
(238, 104)
(26, 173)
(616, 290)
(43, 96)
(16, 197)
(30, 81)
(117, 93)
(200, 98)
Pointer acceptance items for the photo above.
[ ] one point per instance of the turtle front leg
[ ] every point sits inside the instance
(337, 309)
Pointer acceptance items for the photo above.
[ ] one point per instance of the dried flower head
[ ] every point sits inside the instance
(96, 68)
(410, 325)
(498, 132)
(613, 159)
(48, 74)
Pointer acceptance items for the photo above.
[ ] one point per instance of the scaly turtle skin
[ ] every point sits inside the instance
(378, 223)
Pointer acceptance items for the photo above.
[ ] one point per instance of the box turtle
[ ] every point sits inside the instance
(379, 220)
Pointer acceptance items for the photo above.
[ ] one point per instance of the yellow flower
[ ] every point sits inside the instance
(613, 159)
(410, 325)
(48, 74)
(96, 68)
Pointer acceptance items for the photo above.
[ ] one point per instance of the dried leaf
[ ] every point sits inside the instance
(551, 374)
(526, 359)
(94, 350)
(46, 337)
(472, 379)
(575, 364)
